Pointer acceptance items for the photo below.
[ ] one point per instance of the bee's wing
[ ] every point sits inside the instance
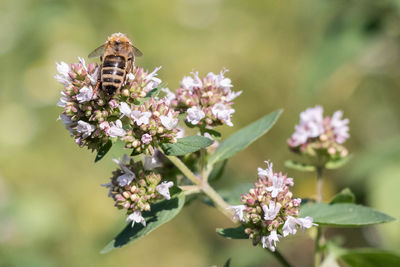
(99, 51)
(137, 52)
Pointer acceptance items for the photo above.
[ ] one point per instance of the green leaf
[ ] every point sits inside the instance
(295, 165)
(343, 214)
(233, 233)
(345, 196)
(244, 137)
(217, 171)
(152, 93)
(228, 263)
(335, 164)
(103, 150)
(370, 258)
(186, 145)
(214, 134)
(161, 212)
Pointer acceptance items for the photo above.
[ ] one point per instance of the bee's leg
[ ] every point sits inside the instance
(96, 88)
(98, 81)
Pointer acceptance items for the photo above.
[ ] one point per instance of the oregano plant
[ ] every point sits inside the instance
(163, 167)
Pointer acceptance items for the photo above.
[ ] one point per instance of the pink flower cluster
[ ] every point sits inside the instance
(268, 211)
(135, 186)
(206, 101)
(314, 132)
(92, 118)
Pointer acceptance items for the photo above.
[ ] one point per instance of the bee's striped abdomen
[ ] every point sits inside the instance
(113, 73)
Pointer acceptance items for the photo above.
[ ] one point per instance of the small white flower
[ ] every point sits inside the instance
(141, 117)
(195, 115)
(63, 76)
(312, 118)
(85, 94)
(300, 135)
(113, 103)
(311, 126)
(105, 125)
(271, 211)
(153, 73)
(221, 112)
(289, 181)
(94, 77)
(290, 226)
(128, 175)
(340, 127)
(232, 95)
(83, 62)
(130, 76)
(270, 241)
(67, 122)
(169, 96)
(125, 109)
(267, 172)
(152, 81)
(223, 81)
(189, 83)
(238, 212)
(146, 138)
(163, 189)
(85, 128)
(63, 68)
(151, 162)
(116, 129)
(296, 202)
(305, 223)
(220, 80)
(169, 121)
(136, 217)
(125, 179)
(277, 186)
(63, 100)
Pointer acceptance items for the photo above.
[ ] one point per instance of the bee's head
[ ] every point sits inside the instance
(118, 40)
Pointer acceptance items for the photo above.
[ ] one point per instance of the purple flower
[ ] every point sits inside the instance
(146, 138)
(340, 127)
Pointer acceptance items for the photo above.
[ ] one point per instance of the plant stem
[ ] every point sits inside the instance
(190, 189)
(203, 164)
(218, 201)
(280, 258)
(317, 252)
(318, 237)
(319, 183)
(184, 169)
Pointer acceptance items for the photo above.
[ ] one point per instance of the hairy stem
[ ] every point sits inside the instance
(203, 164)
(218, 201)
(317, 252)
(319, 184)
(280, 258)
(184, 169)
(190, 189)
(319, 236)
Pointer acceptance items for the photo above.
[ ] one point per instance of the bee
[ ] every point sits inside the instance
(117, 56)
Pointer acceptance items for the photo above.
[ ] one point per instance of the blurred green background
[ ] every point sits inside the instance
(290, 54)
